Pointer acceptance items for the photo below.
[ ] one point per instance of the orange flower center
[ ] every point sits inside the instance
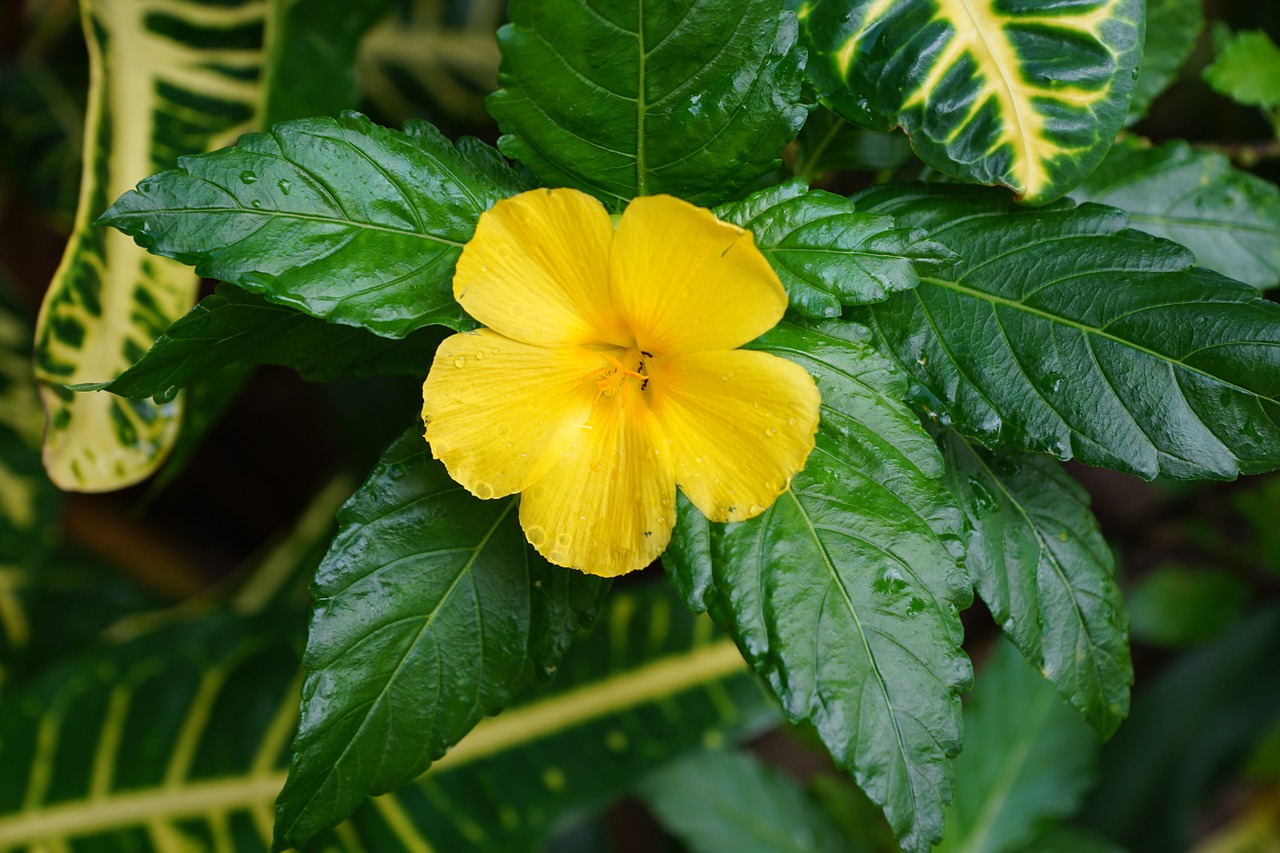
(626, 370)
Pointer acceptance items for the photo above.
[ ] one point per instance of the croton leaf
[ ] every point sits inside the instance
(1062, 331)
(1038, 560)
(1228, 217)
(337, 217)
(168, 80)
(696, 98)
(233, 326)
(431, 611)
(1028, 95)
(844, 593)
(827, 253)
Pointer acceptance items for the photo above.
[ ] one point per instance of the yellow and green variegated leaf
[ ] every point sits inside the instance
(176, 740)
(167, 77)
(1024, 93)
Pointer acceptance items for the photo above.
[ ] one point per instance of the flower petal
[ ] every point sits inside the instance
(499, 412)
(609, 506)
(537, 270)
(685, 281)
(738, 425)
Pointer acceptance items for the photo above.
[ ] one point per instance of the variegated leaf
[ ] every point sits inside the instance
(167, 77)
(1026, 94)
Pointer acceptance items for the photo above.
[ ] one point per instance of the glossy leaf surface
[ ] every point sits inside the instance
(844, 593)
(1229, 218)
(1061, 331)
(1027, 758)
(336, 217)
(827, 253)
(1021, 94)
(169, 77)
(431, 611)
(695, 98)
(236, 327)
(1039, 561)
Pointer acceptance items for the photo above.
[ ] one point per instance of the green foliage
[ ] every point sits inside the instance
(376, 218)
(1171, 374)
(828, 142)
(1246, 69)
(827, 253)
(1039, 562)
(989, 93)
(1179, 606)
(1172, 29)
(649, 98)
(1229, 218)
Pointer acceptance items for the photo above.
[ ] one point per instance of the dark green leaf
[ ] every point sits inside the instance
(1021, 94)
(695, 98)
(844, 593)
(1027, 758)
(1179, 606)
(687, 559)
(1228, 217)
(431, 611)
(1040, 563)
(339, 218)
(828, 142)
(1247, 69)
(236, 327)
(1189, 728)
(1172, 29)
(1069, 839)
(828, 254)
(728, 801)
(1062, 331)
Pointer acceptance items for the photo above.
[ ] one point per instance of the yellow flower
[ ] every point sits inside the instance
(609, 374)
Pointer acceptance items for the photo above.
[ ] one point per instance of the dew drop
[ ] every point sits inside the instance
(248, 177)
(256, 204)
(284, 185)
(460, 361)
(502, 430)
(563, 540)
(479, 356)
(772, 432)
(483, 490)
(536, 534)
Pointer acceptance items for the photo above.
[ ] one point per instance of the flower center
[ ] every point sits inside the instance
(627, 369)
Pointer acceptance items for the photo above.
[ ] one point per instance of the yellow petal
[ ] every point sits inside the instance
(609, 506)
(738, 425)
(537, 270)
(498, 412)
(685, 281)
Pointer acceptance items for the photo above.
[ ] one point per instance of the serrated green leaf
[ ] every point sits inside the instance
(827, 253)
(1229, 218)
(236, 327)
(695, 98)
(828, 142)
(1027, 758)
(1247, 70)
(844, 593)
(1061, 331)
(167, 78)
(1176, 606)
(687, 559)
(336, 217)
(431, 611)
(721, 801)
(1172, 29)
(1039, 561)
(1021, 94)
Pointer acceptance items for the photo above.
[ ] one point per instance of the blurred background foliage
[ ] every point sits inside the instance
(150, 638)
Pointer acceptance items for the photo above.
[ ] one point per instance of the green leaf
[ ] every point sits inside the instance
(1229, 218)
(431, 611)
(844, 593)
(651, 683)
(336, 217)
(164, 82)
(721, 801)
(695, 98)
(235, 327)
(1247, 70)
(1020, 94)
(828, 254)
(828, 143)
(1069, 839)
(687, 559)
(1040, 563)
(1177, 606)
(1172, 29)
(1027, 758)
(1061, 331)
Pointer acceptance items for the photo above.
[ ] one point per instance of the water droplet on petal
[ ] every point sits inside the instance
(460, 361)
(503, 429)
(563, 540)
(536, 535)
(483, 490)
(479, 356)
